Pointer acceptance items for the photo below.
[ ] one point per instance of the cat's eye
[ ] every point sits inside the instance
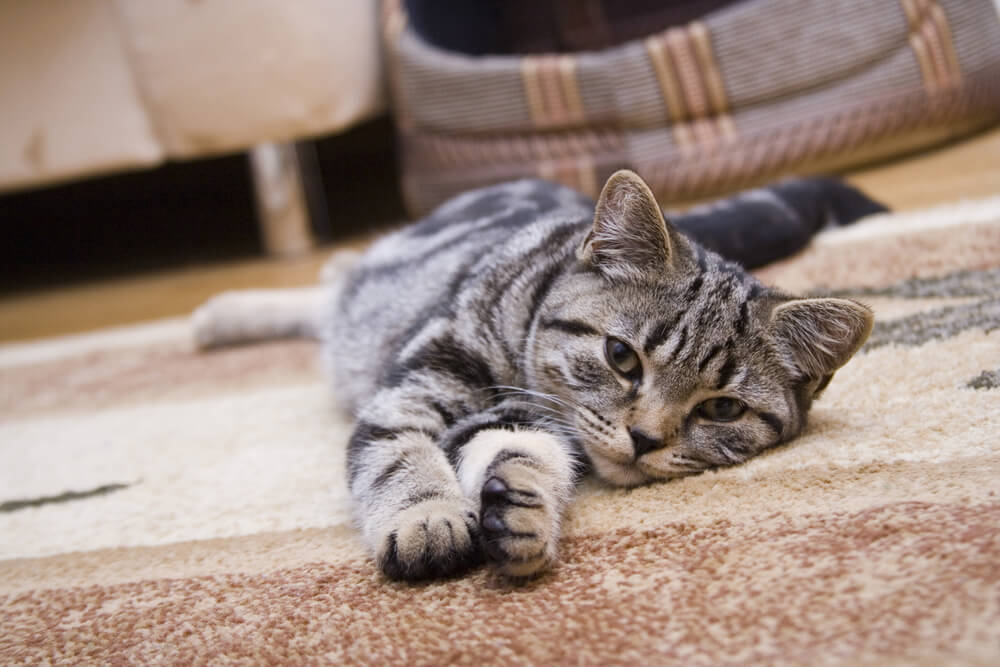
(623, 358)
(721, 409)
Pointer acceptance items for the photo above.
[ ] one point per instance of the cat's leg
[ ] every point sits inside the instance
(420, 518)
(521, 481)
(407, 500)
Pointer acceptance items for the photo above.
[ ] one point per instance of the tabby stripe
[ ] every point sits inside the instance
(446, 415)
(742, 320)
(454, 442)
(659, 334)
(708, 357)
(724, 450)
(574, 327)
(364, 435)
(422, 496)
(736, 445)
(550, 245)
(729, 282)
(453, 445)
(390, 471)
(514, 219)
(498, 287)
(773, 421)
(541, 291)
(510, 455)
(554, 373)
(500, 283)
(694, 288)
(733, 270)
(726, 373)
(681, 343)
(445, 356)
(587, 371)
(492, 316)
(491, 312)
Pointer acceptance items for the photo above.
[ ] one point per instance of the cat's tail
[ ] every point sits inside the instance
(253, 315)
(247, 316)
(759, 226)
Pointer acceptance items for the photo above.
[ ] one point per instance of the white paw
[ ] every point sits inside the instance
(434, 538)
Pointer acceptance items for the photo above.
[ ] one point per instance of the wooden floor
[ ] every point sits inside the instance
(970, 168)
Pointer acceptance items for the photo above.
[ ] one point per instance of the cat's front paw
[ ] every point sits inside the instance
(434, 538)
(519, 523)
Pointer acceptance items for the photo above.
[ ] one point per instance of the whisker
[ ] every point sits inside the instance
(550, 418)
(534, 394)
(530, 405)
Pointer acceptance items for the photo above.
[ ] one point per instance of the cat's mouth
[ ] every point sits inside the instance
(623, 469)
(614, 472)
(614, 461)
(613, 457)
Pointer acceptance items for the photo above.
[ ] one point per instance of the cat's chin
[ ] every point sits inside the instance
(619, 474)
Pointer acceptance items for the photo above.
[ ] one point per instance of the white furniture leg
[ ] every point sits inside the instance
(282, 207)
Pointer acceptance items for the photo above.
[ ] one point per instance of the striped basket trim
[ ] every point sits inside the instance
(582, 159)
(931, 40)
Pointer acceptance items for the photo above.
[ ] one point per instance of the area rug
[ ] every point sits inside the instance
(162, 505)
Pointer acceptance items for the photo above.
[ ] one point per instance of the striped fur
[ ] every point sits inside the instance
(472, 348)
(477, 350)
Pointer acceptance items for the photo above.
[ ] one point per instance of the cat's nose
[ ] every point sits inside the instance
(643, 443)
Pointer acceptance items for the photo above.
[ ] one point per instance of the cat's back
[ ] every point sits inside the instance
(420, 273)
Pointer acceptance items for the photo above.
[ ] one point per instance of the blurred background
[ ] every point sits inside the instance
(155, 152)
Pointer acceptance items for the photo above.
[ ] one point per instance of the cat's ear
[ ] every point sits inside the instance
(630, 237)
(815, 337)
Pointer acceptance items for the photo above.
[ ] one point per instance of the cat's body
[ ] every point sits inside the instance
(514, 338)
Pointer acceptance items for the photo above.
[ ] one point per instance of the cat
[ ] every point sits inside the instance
(521, 336)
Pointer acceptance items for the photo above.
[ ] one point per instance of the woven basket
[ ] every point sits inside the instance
(743, 95)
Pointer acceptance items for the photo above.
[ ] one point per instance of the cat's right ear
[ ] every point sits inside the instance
(630, 238)
(815, 337)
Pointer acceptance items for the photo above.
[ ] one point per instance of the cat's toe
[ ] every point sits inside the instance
(519, 525)
(435, 538)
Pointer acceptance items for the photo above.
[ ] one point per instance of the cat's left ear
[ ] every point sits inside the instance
(630, 237)
(815, 337)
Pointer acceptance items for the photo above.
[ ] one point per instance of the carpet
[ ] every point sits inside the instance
(162, 505)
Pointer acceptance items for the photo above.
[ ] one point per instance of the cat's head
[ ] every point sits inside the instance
(663, 359)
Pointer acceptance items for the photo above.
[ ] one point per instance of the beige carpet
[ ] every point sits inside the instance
(161, 505)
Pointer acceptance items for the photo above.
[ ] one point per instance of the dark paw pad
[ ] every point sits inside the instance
(515, 527)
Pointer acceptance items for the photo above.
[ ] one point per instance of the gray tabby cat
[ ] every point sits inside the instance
(518, 336)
